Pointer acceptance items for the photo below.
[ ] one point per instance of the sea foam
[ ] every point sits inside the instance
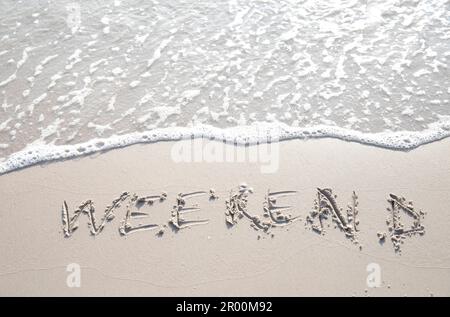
(245, 135)
(82, 77)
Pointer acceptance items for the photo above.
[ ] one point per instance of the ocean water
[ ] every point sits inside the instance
(82, 76)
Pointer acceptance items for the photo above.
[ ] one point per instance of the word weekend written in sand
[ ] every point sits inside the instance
(274, 215)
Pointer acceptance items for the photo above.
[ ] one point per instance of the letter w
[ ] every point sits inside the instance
(70, 224)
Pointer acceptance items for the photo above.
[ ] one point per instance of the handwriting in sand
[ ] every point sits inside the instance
(236, 207)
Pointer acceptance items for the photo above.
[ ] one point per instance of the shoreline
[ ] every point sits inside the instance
(257, 134)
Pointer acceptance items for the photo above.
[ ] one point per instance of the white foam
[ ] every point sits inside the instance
(254, 134)
(341, 68)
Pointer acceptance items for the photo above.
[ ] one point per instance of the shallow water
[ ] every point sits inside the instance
(135, 71)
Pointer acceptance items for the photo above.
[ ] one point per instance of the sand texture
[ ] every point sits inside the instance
(136, 222)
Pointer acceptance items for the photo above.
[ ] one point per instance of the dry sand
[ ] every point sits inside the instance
(213, 259)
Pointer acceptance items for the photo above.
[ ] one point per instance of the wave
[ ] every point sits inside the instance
(240, 135)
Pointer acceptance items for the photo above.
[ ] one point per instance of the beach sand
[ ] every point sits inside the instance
(216, 259)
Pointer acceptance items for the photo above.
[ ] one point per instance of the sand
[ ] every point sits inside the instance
(151, 250)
